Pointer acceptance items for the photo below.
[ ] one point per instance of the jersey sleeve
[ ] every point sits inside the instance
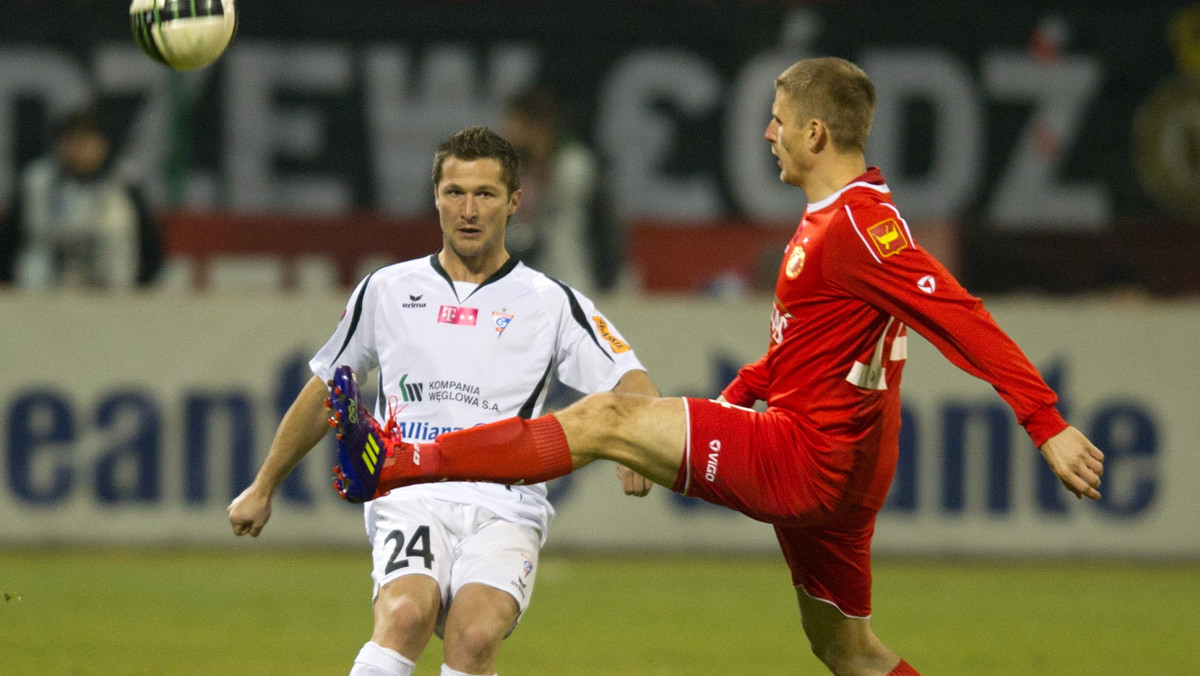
(749, 386)
(592, 354)
(879, 263)
(353, 341)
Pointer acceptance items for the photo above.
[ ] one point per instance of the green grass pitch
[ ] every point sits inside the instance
(235, 611)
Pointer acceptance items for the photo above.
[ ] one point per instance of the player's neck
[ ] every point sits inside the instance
(832, 174)
(475, 270)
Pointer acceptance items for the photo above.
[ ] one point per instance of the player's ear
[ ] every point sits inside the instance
(817, 135)
(514, 200)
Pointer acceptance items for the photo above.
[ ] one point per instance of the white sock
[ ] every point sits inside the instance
(375, 660)
(447, 671)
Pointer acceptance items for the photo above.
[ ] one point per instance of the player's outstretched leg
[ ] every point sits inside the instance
(362, 444)
(373, 460)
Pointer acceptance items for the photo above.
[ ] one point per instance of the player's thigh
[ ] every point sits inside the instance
(479, 613)
(754, 462)
(500, 556)
(412, 537)
(406, 610)
(831, 562)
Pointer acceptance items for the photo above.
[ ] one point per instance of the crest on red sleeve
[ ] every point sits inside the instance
(888, 237)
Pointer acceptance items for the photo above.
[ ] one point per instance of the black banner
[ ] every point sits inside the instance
(1033, 118)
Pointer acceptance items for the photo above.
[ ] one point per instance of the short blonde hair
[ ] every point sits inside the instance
(834, 91)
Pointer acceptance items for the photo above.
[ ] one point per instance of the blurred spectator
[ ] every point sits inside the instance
(566, 226)
(73, 222)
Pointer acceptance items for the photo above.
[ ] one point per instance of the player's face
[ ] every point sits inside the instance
(785, 136)
(473, 207)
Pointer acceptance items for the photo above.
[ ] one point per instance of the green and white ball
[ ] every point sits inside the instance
(184, 34)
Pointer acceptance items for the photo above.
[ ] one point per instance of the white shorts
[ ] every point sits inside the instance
(454, 543)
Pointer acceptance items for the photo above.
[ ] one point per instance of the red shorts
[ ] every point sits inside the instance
(757, 463)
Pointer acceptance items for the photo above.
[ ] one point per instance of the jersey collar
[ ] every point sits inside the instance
(872, 179)
(499, 274)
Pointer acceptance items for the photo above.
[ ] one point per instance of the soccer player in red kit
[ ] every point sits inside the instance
(818, 462)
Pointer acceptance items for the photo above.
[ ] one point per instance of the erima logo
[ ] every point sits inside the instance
(520, 586)
(414, 301)
(410, 391)
(710, 472)
(927, 284)
(417, 454)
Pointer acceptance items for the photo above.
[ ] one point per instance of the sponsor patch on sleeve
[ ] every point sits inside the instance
(618, 345)
(888, 237)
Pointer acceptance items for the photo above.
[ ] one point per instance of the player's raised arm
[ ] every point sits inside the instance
(304, 424)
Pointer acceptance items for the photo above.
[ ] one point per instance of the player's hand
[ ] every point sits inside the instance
(633, 483)
(1077, 462)
(248, 512)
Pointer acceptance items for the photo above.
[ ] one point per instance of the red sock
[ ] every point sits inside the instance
(511, 451)
(903, 669)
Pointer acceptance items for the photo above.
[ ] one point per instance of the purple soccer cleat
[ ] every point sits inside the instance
(362, 445)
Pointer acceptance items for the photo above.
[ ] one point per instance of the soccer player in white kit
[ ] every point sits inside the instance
(459, 338)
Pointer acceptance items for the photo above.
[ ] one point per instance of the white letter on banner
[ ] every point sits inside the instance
(408, 115)
(640, 139)
(1030, 193)
(259, 130)
(938, 79)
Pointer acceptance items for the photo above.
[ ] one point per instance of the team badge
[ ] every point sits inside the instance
(888, 237)
(501, 321)
(795, 262)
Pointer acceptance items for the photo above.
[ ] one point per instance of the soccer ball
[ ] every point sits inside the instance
(184, 34)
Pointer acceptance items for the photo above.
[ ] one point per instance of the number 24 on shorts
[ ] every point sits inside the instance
(417, 546)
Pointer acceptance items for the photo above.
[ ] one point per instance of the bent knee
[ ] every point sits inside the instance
(479, 640)
(401, 615)
(612, 414)
(850, 657)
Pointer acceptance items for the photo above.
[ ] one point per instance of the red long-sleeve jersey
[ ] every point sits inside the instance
(852, 280)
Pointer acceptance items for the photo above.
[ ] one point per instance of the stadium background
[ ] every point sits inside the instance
(1047, 152)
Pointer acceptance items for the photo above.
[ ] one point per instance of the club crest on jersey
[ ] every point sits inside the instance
(461, 316)
(888, 237)
(501, 320)
(795, 262)
(618, 345)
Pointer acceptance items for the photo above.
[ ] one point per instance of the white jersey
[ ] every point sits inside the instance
(452, 355)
